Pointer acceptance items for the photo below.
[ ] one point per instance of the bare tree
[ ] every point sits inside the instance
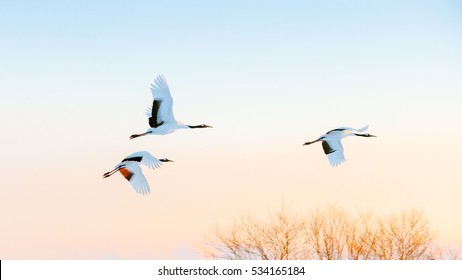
(249, 238)
(332, 234)
(360, 237)
(329, 234)
(324, 233)
(406, 236)
(452, 252)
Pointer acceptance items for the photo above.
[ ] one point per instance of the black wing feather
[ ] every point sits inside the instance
(337, 129)
(327, 149)
(154, 120)
(138, 159)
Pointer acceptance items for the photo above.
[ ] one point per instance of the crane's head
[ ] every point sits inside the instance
(165, 160)
(365, 135)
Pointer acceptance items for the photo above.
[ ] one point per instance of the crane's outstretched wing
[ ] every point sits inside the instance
(363, 129)
(144, 158)
(161, 110)
(343, 128)
(133, 173)
(151, 161)
(338, 130)
(334, 151)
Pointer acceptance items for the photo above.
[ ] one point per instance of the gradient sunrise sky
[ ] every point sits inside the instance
(267, 75)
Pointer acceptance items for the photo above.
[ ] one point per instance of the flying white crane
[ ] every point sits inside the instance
(160, 114)
(332, 145)
(130, 168)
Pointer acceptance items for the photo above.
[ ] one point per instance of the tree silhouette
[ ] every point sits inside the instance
(406, 236)
(249, 238)
(329, 233)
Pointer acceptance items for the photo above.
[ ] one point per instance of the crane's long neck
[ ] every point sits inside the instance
(365, 135)
(197, 126)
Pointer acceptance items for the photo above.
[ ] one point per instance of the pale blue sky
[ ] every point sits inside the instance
(69, 50)
(268, 75)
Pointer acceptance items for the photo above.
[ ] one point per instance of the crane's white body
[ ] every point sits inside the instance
(332, 145)
(130, 168)
(160, 113)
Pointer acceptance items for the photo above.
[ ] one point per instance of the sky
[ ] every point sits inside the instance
(268, 76)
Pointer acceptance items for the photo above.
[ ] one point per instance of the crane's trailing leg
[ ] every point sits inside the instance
(309, 143)
(107, 174)
(139, 135)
